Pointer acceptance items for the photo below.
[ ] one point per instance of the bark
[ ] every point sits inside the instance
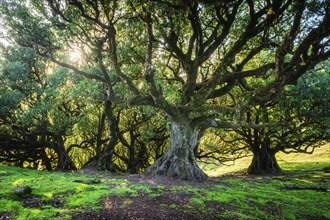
(99, 141)
(106, 161)
(64, 161)
(264, 162)
(45, 160)
(179, 160)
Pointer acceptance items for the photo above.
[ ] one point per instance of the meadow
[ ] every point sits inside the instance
(301, 191)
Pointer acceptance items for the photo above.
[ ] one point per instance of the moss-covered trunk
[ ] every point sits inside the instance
(106, 161)
(179, 160)
(264, 162)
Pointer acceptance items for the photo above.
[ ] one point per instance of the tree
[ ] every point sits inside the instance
(48, 120)
(141, 138)
(304, 108)
(30, 124)
(185, 58)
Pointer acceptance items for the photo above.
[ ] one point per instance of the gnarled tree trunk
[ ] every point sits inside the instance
(264, 162)
(106, 161)
(64, 161)
(179, 160)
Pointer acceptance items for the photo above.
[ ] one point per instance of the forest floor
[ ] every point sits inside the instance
(98, 195)
(157, 198)
(232, 196)
(302, 191)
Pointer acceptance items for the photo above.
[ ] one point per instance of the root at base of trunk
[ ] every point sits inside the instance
(184, 169)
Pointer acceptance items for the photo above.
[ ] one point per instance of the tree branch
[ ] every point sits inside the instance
(76, 70)
(227, 124)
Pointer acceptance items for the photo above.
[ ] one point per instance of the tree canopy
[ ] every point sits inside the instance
(201, 63)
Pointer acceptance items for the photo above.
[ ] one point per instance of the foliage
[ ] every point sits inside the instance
(302, 108)
(56, 115)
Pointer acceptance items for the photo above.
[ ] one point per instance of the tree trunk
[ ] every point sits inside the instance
(64, 161)
(264, 162)
(106, 161)
(99, 141)
(45, 160)
(179, 160)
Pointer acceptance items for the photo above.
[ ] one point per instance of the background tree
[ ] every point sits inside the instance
(30, 124)
(48, 120)
(304, 108)
(185, 58)
(142, 138)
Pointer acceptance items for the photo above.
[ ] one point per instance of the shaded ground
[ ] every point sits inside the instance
(162, 203)
(116, 207)
(165, 203)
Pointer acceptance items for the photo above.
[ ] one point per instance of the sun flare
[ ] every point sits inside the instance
(76, 56)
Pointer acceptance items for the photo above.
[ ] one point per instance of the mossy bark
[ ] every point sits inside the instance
(179, 160)
(106, 161)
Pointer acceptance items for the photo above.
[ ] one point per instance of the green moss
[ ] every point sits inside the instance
(240, 197)
(141, 187)
(160, 187)
(198, 201)
(47, 186)
(173, 206)
(118, 181)
(124, 191)
(154, 194)
(189, 207)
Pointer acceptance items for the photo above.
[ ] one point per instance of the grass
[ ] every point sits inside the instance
(233, 196)
(47, 186)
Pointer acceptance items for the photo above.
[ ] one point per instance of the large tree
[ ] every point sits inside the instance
(193, 60)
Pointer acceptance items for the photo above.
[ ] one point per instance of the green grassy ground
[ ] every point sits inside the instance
(57, 195)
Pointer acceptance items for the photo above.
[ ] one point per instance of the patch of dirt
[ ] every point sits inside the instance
(32, 202)
(57, 203)
(165, 206)
(35, 202)
(167, 203)
(217, 206)
(270, 208)
(5, 215)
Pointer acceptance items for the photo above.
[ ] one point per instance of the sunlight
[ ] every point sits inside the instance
(76, 56)
(48, 195)
(19, 182)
